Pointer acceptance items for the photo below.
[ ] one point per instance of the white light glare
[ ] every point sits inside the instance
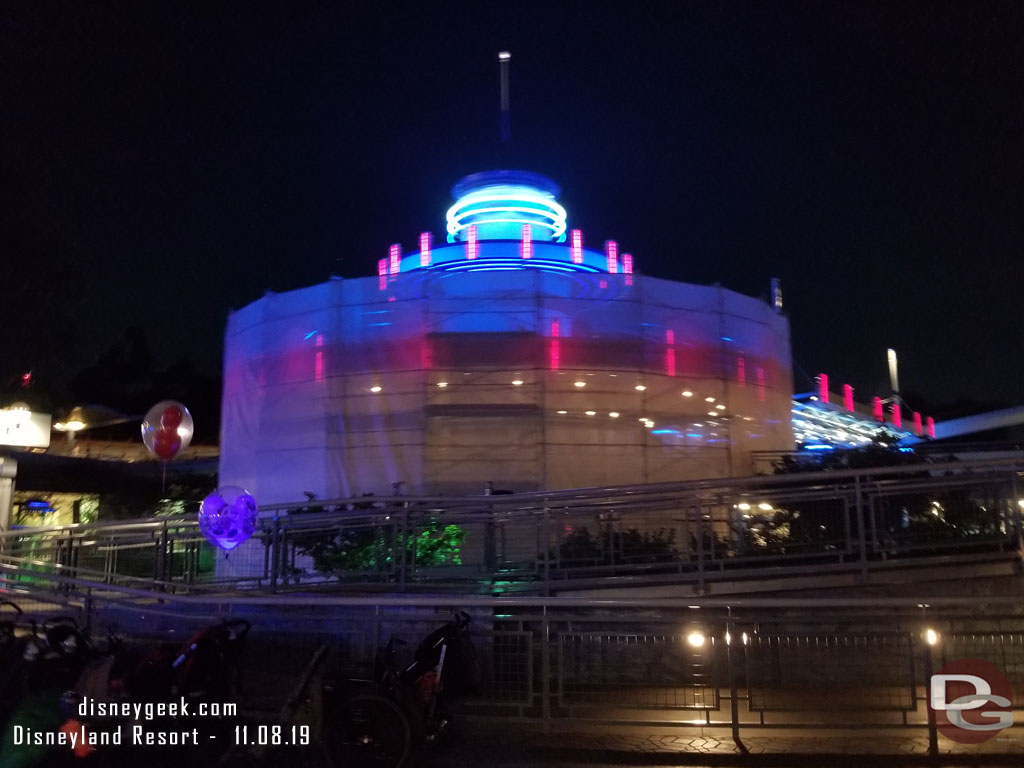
(639, 387)
(709, 399)
(687, 393)
(442, 384)
(931, 636)
(591, 413)
(504, 56)
(614, 414)
(696, 639)
(579, 383)
(517, 382)
(765, 506)
(375, 388)
(720, 407)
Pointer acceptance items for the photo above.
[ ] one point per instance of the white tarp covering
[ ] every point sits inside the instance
(347, 387)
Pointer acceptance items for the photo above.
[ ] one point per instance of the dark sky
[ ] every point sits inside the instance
(175, 160)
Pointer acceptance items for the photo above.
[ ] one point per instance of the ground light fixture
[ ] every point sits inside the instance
(931, 636)
(695, 639)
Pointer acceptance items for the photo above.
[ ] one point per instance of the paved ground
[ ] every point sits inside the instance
(512, 744)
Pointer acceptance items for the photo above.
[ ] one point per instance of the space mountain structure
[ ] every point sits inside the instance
(514, 355)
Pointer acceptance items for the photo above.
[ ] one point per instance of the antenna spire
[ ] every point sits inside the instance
(506, 129)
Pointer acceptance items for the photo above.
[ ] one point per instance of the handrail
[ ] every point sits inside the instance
(539, 500)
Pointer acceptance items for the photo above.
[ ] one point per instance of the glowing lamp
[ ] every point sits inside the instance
(425, 243)
(611, 251)
(576, 246)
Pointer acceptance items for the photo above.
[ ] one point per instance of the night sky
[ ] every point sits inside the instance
(165, 162)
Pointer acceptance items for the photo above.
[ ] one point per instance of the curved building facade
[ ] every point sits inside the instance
(512, 355)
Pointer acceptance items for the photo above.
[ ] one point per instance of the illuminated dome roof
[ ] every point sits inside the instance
(500, 203)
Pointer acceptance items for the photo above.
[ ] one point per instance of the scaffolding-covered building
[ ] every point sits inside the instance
(512, 355)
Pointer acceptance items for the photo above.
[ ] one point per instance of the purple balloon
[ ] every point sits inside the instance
(227, 517)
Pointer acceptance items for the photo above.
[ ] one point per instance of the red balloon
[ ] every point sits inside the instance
(166, 443)
(171, 417)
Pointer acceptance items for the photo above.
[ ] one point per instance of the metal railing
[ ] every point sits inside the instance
(695, 532)
(742, 665)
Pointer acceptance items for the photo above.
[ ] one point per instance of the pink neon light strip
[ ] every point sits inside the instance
(897, 416)
(526, 249)
(577, 246)
(382, 270)
(741, 371)
(425, 355)
(394, 256)
(472, 249)
(318, 364)
(627, 263)
(425, 243)
(611, 250)
(760, 385)
(848, 397)
(823, 387)
(918, 428)
(930, 426)
(670, 353)
(876, 405)
(555, 358)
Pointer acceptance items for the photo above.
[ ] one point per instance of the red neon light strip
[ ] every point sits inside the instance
(577, 246)
(555, 357)
(382, 270)
(897, 416)
(394, 256)
(930, 426)
(472, 249)
(627, 263)
(526, 249)
(318, 364)
(918, 428)
(611, 250)
(670, 353)
(741, 371)
(876, 405)
(848, 397)
(823, 387)
(425, 243)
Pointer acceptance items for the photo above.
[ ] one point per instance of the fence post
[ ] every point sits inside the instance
(933, 736)
(274, 548)
(734, 704)
(699, 520)
(861, 529)
(545, 672)
(546, 546)
(1015, 510)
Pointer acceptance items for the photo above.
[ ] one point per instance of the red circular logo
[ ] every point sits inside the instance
(972, 701)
